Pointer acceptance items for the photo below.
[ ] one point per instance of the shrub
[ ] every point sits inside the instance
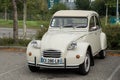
(10, 42)
(113, 36)
(58, 7)
(23, 42)
(6, 41)
(41, 32)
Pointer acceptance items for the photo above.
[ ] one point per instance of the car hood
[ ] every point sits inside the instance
(59, 40)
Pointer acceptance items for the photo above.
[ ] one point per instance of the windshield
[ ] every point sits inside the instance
(69, 22)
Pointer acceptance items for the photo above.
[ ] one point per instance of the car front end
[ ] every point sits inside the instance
(55, 52)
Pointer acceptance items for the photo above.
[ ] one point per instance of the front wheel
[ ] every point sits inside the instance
(85, 67)
(33, 68)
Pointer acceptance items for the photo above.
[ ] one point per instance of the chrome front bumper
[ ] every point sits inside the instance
(53, 66)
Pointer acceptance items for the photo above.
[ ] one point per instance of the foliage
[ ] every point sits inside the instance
(34, 7)
(37, 8)
(41, 32)
(99, 6)
(5, 4)
(58, 7)
(102, 20)
(10, 42)
(111, 4)
(113, 36)
(82, 4)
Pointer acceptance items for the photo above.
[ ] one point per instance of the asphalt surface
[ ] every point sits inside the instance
(13, 66)
(8, 32)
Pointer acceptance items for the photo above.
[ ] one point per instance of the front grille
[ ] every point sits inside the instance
(52, 53)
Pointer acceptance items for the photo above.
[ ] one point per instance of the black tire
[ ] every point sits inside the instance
(33, 68)
(102, 54)
(85, 67)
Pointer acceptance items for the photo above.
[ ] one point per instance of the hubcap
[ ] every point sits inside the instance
(87, 62)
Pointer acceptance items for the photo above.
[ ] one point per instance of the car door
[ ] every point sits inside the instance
(98, 31)
(94, 34)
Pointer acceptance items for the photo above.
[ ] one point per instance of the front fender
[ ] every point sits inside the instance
(34, 51)
(80, 50)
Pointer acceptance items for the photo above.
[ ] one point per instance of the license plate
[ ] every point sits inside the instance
(51, 60)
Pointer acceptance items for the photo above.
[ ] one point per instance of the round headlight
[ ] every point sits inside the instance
(35, 44)
(72, 46)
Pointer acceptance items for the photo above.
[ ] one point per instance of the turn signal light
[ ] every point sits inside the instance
(30, 54)
(77, 56)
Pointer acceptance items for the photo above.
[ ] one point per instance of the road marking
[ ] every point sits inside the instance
(10, 71)
(111, 76)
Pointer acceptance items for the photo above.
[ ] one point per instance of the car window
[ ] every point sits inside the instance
(69, 22)
(97, 22)
(92, 23)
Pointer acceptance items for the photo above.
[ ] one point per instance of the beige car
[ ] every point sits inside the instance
(73, 39)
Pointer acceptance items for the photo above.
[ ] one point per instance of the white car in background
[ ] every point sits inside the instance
(73, 39)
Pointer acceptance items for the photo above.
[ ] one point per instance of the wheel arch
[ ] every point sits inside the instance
(91, 56)
(86, 47)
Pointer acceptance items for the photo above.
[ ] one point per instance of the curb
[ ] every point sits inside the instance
(13, 48)
(115, 51)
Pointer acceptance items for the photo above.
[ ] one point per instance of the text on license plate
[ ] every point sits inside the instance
(51, 60)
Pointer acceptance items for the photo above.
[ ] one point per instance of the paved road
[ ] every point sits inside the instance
(8, 32)
(13, 67)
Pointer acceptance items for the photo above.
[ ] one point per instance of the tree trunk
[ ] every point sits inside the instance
(106, 19)
(5, 13)
(15, 22)
(24, 18)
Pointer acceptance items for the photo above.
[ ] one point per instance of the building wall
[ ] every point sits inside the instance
(69, 3)
(51, 3)
(63, 1)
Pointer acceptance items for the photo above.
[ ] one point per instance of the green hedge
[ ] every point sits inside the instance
(113, 36)
(41, 32)
(10, 42)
